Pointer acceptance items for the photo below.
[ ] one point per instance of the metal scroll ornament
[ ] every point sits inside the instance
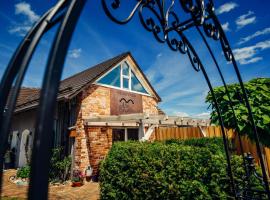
(162, 19)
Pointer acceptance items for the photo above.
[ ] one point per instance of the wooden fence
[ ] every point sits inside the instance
(166, 133)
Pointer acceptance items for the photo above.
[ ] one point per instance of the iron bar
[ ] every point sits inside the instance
(229, 169)
(16, 69)
(251, 118)
(44, 126)
(180, 25)
(227, 93)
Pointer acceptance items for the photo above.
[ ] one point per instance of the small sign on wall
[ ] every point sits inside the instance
(123, 102)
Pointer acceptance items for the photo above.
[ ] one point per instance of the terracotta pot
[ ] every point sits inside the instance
(76, 184)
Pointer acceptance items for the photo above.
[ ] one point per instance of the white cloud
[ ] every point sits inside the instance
(181, 94)
(203, 115)
(24, 9)
(75, 53)
(164, 73)
(159, 55)
(20, 30)
(245, 19)
(246, 55)
(225, 26)
(182, 90)
(180, 114)
(256, 34)
(252, 60)
(227, 7)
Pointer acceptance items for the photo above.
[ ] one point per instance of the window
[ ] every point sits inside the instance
(112, 78)
(126, 83)
(124, 134)
(136, 85)
(118, 135)
(125, 69)
(133, 134)
(123, 77)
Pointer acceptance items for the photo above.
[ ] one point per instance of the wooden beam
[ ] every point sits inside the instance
(147, 119)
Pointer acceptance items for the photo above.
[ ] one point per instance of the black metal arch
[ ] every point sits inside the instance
(163, 21)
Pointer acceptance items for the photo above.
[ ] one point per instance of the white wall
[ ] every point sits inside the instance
(22, 125)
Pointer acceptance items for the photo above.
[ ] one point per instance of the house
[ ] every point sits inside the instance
(112, 101)
(114, 87)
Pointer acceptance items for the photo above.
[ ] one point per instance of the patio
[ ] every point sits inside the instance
(88, 191)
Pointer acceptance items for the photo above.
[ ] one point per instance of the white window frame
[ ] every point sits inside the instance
(122, 76)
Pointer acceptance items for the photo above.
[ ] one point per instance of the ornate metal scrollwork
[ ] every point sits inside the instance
(214, 30)
(195, 8)
(164, 23)
(116, 5)
(161, 18)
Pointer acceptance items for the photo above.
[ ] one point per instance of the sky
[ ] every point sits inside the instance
(97, 38)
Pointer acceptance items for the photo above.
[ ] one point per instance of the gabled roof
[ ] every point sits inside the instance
(72, 85)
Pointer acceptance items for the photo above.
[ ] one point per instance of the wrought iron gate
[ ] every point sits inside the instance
(162, 20)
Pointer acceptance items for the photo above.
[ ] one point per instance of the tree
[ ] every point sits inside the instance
(258, 91)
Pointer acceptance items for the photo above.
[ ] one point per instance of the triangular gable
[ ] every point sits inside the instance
(128, 76)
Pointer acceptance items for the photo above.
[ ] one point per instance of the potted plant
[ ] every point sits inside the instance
(77, 178)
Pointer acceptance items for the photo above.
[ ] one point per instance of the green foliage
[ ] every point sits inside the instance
(60, 166)
(175, 169)
(59, 169)
(258, 91)
(24, 172)
(214, 144)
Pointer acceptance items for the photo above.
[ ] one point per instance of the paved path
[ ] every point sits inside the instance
(89, 191)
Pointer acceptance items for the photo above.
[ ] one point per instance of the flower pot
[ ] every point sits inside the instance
(76, 184)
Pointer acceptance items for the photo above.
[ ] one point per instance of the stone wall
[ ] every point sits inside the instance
(100, 142)
(93, 143)
(149, 105)
(95, 101)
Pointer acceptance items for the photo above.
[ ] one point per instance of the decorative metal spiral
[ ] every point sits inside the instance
(164, 23)
(214, 30)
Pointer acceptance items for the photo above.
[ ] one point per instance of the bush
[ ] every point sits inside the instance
(24, 172)
(214, 144)
(192, 169)
(60, 166)
(59, 169)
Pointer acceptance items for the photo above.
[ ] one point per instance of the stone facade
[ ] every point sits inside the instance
(93, 143)
(149, 105)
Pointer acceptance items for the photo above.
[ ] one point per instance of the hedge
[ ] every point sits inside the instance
(214, 144)
(171, 170)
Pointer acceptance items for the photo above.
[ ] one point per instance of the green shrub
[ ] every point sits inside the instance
(60, 166)
(171, 170)
(214, 144)
(24, 172)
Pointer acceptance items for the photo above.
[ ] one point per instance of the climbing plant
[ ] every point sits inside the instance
(258, 91)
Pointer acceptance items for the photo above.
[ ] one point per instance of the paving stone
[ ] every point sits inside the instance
(89, 191)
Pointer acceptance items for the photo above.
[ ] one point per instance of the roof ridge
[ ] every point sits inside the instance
(101, 63)
(76, 82)
(30, 88)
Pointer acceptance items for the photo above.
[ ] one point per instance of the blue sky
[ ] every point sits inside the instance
(96, 38)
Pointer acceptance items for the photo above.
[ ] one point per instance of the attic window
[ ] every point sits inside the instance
(112, 78)
(136, 85)
(123, 77)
